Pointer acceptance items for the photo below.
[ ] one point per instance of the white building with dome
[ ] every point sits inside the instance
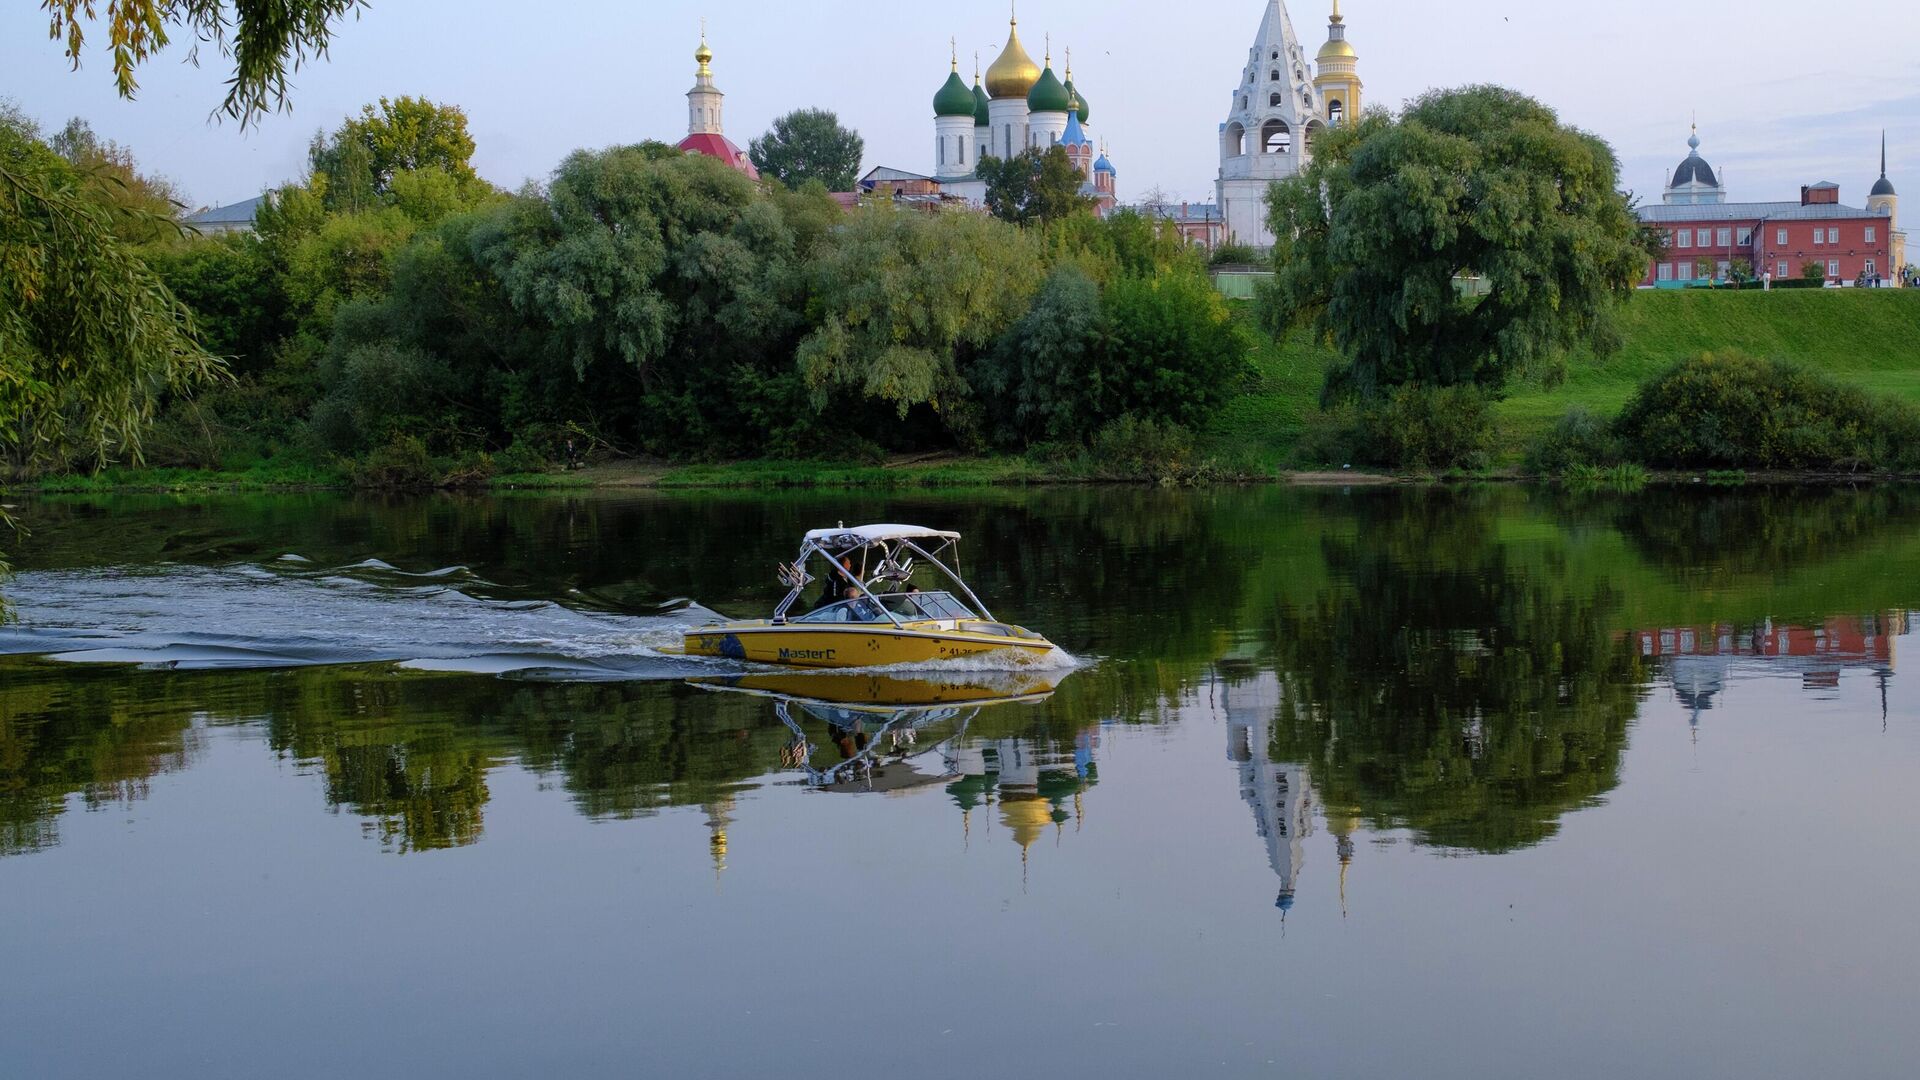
(1280, 106)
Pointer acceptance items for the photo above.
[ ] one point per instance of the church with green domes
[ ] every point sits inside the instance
(1020, 105)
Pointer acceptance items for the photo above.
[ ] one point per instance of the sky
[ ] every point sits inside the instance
(1778, 105)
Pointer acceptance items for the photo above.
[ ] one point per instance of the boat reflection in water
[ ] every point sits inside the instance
(885, 733)
(867, 733)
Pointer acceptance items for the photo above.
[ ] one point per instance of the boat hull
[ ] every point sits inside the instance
(852, 646)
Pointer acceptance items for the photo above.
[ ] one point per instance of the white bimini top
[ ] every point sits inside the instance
(867, 534)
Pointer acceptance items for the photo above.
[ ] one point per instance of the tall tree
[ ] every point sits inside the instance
(1034, 186)
(404, 134)
(809, 144)
(1372, 236)
(265, 39)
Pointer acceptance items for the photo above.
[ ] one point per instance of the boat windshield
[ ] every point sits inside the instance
(927, 605)
(863, 610)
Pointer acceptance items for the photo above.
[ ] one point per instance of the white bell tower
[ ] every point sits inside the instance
(1271, 125)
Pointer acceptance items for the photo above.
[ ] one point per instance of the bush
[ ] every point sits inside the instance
(1728, 410)
(1233, 255)
(402, 464)
(1419, 427)
(1133, 448)
(1577, 438)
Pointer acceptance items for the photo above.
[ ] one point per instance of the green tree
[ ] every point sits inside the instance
(1372, 236)
(1175, 353)
(1706, 269)
(1814, 270)
(404, 134)
(152, 203)
(1034, 186)
(90, 339)
(905, 299)
(1044, 379)
(807, 145)
(267, 40)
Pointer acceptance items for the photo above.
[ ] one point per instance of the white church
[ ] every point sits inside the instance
(1280, 106)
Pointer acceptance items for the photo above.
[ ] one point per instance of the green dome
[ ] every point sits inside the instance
(1048, 95)
(1085, 113)
(980, 100)
(954, 99)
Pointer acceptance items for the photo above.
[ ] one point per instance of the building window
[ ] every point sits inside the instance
(1273, 100)
(1869, 266)
(941, 157)
(962, 143)
(1869, 234)
(1724, 267)
(1335, 111)
(1781, 238)
(1666, 271)
(1833, 267)
(1833, 236)
(1683, 271)
(1726, 237)
(1783, 271)
(1686, 238)
(1746, 237)
(1819, 236)
(1274, 75)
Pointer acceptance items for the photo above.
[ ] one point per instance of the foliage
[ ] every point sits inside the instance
(1577, 438)
(238, 302)
(90, 339)
(904, 299)
(361, 159)
(809, 145)
(149, 204)
(266, 39)
(1814, 271)
(1373, 234)
(1233, 254)
(1135, 448)
(1034, 186)
(1175, 353)
(1044, 378)
(1423, 427)
(1730, 410)
(1624, 477)
(1124, 243)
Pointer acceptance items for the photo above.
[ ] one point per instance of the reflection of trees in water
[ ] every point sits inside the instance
(1764, 530)
(1449, 685)
(67, 734)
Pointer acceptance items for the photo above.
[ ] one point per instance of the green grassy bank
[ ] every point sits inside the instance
(1870, 338)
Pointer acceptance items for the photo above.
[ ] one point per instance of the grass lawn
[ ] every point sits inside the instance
(1868, 337)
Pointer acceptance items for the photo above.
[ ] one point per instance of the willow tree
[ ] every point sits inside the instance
(265, 39)
(90, 340)
(1375, 237)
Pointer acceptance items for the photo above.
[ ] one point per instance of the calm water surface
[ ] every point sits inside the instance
(1404, 783)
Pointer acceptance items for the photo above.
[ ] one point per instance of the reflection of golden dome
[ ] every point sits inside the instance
(1014, 73)
(1028, 817)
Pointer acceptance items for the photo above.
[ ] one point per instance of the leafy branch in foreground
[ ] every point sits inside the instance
(264, 38)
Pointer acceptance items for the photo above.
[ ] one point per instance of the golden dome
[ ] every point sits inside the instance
(1337, 50)
(1014, 73)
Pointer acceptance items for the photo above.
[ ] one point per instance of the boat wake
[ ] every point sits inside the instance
(291, 612)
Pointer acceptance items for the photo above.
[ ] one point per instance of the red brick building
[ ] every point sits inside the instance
(1706, 235)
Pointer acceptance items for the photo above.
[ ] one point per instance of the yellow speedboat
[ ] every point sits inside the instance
(871, 613)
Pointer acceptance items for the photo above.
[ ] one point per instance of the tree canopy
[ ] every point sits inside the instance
(1034, 186)
(1373, 237)
(808, 145)
(265, 39)
(402, 135)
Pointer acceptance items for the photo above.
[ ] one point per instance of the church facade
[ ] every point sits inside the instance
(1280, 107)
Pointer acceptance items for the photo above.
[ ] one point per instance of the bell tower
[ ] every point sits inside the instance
(1339, 76)
(1272, 122)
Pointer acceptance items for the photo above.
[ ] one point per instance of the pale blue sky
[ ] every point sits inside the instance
(1784, 96)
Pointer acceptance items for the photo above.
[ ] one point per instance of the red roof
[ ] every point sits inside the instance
(722, 148)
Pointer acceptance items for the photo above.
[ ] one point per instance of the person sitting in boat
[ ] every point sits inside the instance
(836, 588)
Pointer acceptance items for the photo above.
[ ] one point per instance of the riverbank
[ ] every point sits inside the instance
(1861, 337)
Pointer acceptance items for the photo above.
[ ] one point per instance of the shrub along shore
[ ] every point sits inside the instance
(1853, 341)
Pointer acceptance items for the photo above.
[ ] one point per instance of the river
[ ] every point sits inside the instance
(1483, 782)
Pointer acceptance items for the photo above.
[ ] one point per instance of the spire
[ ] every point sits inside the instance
(1336, 19)
(703, 54)
(953, 47)
(1883, 186)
